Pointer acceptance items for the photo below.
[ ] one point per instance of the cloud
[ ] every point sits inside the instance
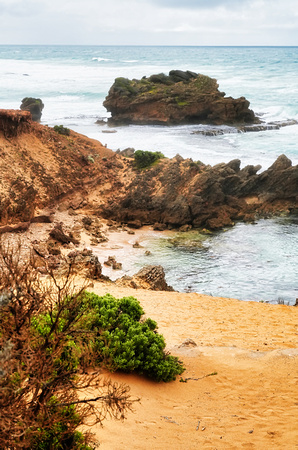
(196, 4)
(145, 22)
(20, 8)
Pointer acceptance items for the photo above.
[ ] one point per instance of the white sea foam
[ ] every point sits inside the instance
(97, 58)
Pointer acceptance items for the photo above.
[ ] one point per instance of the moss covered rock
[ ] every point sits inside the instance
(178, 98)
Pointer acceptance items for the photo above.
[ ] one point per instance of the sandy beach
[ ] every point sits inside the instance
(240, 386)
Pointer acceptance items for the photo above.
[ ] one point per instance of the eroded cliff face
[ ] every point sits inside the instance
(179, 98)
(39, 166)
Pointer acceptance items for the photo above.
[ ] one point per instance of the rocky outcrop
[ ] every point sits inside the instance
(179, 98)
(177, 193)
(255, 127)
(85, 263)
(39, 168)
(34, 106)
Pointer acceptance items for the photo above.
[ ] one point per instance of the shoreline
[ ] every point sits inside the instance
(120, 244)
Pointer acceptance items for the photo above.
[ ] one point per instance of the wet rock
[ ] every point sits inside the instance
(136, 224)
(185, 228)
(111, 262)
(282, 163)
(234, 165)
(174, 195)
(159, 227)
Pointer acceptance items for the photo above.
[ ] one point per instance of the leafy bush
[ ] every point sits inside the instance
(124, 342)
(121, 341)
(60, 129)
(57, 435)
(145, 159)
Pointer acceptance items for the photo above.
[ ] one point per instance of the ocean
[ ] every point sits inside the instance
(250, 262)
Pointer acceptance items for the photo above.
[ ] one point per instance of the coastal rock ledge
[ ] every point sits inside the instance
(177, 98)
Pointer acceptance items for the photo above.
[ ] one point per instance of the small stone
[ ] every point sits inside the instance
(188, 343)
(137, 245)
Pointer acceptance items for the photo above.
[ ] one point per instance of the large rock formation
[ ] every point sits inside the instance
(181, 97)
(179, 192)
(34, 106)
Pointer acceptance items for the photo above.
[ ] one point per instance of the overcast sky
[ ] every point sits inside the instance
(149, 22)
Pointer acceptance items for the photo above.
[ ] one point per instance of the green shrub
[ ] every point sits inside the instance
(60, 129)
(56, 435)
(126, 343)
(121, 340)
(145, 159)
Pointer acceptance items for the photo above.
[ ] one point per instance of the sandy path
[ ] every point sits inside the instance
(251, 402)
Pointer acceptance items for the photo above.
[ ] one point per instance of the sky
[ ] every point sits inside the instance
(149, 22)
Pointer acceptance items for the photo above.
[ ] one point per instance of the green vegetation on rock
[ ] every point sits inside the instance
(60, 129)
(144, 159)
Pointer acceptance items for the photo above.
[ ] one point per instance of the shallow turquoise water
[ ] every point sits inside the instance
(249, 262)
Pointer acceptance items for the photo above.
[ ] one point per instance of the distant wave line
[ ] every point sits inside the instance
(97, 58)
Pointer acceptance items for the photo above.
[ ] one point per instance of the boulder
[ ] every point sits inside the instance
(149, 277)
(59, 235)
(154, 277)
(84, 262)
(34, 106)
(178, 98)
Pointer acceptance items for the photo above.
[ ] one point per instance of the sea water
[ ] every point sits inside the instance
(250, 262)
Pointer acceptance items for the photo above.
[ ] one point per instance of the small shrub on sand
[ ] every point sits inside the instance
(124, 342)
